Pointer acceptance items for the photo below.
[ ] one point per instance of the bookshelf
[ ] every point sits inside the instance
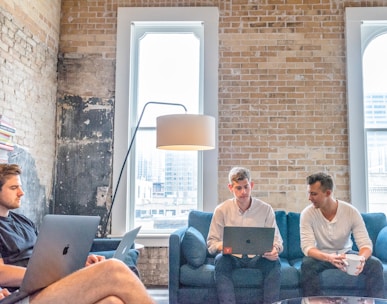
(7, 131)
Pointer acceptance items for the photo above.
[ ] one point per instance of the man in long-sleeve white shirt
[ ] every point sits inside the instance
(325, 230)
(243, 210)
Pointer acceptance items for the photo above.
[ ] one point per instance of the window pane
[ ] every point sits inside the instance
(166, 182)
(375, 120)
(377, 170)
(375, 83)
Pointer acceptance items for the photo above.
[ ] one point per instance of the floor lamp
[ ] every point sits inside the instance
(187, 132)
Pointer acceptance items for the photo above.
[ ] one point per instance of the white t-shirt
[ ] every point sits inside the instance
(333, 236)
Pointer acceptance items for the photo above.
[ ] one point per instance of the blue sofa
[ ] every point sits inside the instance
(191, 267)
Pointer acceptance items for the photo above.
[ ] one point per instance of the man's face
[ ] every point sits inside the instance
(241, 190)
(10, 195)
(316, 195)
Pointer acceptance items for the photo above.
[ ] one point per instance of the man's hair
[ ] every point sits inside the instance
(6, 170)
(238, 174)
(325, 180)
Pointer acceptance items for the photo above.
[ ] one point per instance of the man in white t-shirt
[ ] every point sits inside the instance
(325, 229)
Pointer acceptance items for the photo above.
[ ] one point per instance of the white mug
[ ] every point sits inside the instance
(353, 261)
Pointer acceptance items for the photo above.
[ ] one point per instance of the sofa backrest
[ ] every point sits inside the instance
(294, 250)
(281, 219)
(374, 222)
(201, 221)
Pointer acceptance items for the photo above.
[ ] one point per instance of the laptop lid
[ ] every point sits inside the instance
(62, 247)
(126, 244)
(247, 240)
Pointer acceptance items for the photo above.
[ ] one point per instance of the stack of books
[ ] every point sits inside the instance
(7, 131)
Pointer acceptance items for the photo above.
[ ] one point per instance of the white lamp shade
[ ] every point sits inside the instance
(185, 132)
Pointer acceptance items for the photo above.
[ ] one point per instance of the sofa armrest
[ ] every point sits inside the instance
(175, 261)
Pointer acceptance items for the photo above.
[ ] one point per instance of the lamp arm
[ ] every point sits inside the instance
(104, 230)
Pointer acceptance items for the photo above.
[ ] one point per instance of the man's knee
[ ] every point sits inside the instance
(112, 300)
(374, 265)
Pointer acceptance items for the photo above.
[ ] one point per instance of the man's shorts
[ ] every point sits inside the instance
(24, 301)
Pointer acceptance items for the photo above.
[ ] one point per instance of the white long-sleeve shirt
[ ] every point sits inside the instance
(333, 236)
(260, 214)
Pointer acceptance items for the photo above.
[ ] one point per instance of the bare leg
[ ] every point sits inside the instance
(109, 281)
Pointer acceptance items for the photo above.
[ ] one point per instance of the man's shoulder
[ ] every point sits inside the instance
(308, 211)
(21, 218)
(258, 203)
(225, 204)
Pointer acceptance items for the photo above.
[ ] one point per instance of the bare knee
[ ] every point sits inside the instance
(111, 300)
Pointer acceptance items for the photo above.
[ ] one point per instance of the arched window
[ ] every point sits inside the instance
(366, 33)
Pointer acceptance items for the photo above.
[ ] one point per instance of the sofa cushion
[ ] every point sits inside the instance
(198, 277)
(374, 223)
(194, 247)
(294, 243)
(201, 221)
(380, 249)
(290, 276)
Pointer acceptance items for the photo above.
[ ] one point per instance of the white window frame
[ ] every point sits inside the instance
(354, 17)
(209, 16)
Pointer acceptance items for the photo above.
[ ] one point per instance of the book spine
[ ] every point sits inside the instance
(6, 121)
(7, 129)
(6, 142)
(5, 132)
(6, 147)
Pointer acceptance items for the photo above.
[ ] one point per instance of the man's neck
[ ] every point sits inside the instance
(330, 209)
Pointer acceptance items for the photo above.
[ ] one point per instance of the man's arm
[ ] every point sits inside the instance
(215, 234)
(10, 275)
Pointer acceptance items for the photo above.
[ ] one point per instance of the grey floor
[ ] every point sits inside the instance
(160, 295)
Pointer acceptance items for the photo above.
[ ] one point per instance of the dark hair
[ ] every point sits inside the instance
(325, 180)
(6, 170)
(238, 174)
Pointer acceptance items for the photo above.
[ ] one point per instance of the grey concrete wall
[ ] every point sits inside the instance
(84, 157)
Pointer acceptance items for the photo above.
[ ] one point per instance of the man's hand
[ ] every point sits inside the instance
(271, 255)
(4, 293)
(361, 266)
(337, 260)
(92, 259)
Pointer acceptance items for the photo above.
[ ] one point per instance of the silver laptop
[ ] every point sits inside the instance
(126, 244)
(247, 240)
(62, 247)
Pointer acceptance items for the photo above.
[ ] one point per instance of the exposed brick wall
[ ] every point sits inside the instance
(28, 82)
(153, 266)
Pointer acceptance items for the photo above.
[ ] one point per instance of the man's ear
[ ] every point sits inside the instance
(252, 184)
(229, 187)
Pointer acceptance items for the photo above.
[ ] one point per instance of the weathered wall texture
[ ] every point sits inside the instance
(28, 82)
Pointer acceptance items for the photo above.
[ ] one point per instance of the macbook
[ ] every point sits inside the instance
(62, 247)
(126, 244)
(247, 240)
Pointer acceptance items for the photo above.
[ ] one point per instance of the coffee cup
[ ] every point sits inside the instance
(352, 261)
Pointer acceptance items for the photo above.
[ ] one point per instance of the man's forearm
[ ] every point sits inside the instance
(11, 276)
